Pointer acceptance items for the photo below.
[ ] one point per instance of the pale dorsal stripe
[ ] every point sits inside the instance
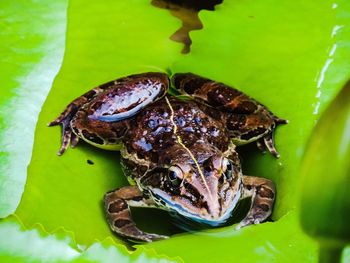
(179, 140)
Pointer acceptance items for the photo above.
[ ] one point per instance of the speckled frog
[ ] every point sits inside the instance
(178, 154)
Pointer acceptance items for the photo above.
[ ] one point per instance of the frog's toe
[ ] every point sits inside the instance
(270, 145)
(261, 145)
(279, 121)
(267, 142)
(56, 121)
(147, 237)
(74, 140)
(63, 118)
(66, 138)
(242, 224)
(155, 237)
(251, 220)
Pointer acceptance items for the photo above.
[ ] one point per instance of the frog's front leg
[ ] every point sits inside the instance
(246, 119)
(262, 193)
(98, 115)
(117, 205)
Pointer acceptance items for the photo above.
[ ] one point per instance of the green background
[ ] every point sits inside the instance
(290, 55)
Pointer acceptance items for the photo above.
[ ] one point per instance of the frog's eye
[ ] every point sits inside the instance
(227, 168)
(174, 175)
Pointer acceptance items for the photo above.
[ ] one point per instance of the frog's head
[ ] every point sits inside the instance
(200, 183)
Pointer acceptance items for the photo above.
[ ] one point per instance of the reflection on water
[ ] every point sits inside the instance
(187, 12)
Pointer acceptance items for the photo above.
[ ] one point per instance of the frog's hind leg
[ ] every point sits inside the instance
(257, 126)
(104, 135)
(267, 142)
(64, 119)
(262, 193)
(246, 119)
(87, 117)
(118, 214)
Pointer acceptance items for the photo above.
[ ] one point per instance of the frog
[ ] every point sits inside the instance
(178, 149)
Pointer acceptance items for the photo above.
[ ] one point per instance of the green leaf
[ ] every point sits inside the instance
(31, 53)
(282, 241)
(39, 246)
(328, 167)
(281, 53)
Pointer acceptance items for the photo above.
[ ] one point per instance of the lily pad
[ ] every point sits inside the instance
(277, 52)
(31, 54)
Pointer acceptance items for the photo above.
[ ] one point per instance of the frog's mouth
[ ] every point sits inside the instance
(182, 214)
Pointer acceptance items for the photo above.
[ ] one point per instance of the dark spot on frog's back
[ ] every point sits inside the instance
(246, 107)
(117, 206)
(189, 82)
(137, 198)
(221, 95)
(235, 122)
(266, 192)
(92, 137)
(264, 207)
(122, 222)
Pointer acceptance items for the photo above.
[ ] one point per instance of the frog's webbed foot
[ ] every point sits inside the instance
(64, 119)
(118, 214)
(258, 126)
(262, 192)
(267, 142)
(68, 137)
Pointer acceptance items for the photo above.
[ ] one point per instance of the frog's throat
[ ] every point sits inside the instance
(179, 140)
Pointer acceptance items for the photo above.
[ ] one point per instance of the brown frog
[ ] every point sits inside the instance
(178, 154)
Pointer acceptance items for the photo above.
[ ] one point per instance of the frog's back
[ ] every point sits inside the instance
(170, 121)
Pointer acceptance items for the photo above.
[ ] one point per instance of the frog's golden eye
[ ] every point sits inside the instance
(175, 175)
(227, 168)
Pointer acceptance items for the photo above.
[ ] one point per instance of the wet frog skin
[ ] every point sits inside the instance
(178, 155)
